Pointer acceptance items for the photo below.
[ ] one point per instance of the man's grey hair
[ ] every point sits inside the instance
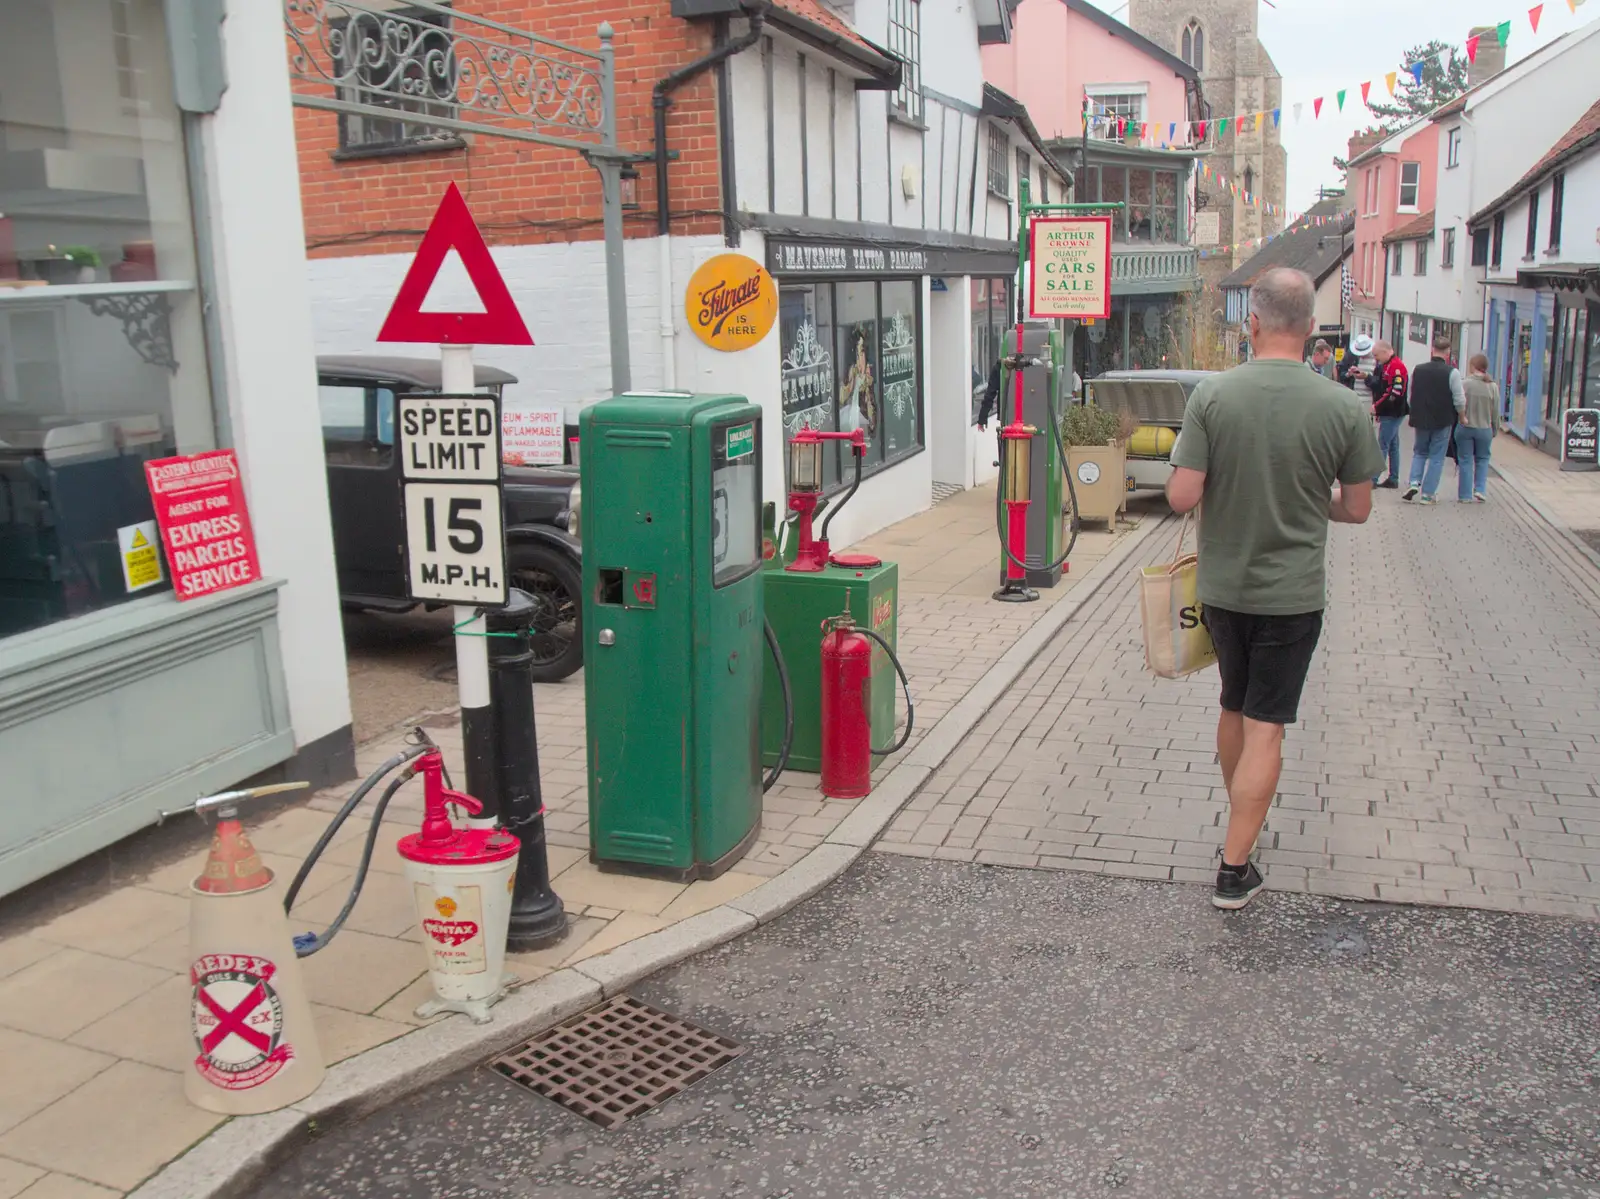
(1283, 300)
(1322, 347)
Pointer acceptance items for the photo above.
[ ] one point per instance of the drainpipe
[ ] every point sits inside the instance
(661, 100)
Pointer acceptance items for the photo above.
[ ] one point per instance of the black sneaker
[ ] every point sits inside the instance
(1411, 492)
(1235, 890)
(1390, 484)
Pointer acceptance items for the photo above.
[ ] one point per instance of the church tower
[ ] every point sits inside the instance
(1237, 76)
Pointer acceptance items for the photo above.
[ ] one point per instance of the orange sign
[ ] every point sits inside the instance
(732, 303)
(1069, 266)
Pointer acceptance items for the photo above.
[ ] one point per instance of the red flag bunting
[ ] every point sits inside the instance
(1316, 106)
(1472, 48)
(1534, 14)
(1365, 89)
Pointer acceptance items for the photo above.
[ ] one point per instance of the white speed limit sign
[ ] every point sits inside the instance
(455, 531)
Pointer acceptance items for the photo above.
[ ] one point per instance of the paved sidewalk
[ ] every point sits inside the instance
(93, 1002)
(1448, 750)
(1570, 500)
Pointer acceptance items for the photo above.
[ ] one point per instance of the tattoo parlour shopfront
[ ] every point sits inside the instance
(884, 336)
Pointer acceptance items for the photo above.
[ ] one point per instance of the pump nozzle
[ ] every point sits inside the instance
(436, 826)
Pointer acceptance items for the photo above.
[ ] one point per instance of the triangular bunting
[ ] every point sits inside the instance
(1259, 115)
(1417, 68)
(1222, 126)
(1534, 14)
(1297, 110)
(1276, 114)
(1390, 78)
(1341, 94)
(1200, 130)
(1172, 132)
(1144, 130)
(1503, 32)
(1472, 54)
(1316, 107)
(453, 228)
(1366, 90)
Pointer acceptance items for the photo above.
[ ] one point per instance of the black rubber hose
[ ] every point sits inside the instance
(911, 711)
(308, 943)
(854, 487)
(788, 709)
(356, 796)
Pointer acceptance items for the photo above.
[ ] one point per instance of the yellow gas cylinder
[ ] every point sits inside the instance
(1152, 441)
(255, 1047)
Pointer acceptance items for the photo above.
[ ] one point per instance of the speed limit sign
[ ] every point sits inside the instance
(450, 467)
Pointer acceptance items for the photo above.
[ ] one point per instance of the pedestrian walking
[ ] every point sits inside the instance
(1436, 397)
(1390, 388)
(1479, 407)
(1264, 446)
(1321, 359)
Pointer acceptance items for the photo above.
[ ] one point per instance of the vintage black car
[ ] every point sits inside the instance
(357, 396)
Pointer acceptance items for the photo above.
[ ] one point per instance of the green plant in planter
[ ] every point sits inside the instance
(81, 256)
(1086, 424)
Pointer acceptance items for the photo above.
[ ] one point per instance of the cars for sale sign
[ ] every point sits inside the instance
(1069, 267)
(205, 526)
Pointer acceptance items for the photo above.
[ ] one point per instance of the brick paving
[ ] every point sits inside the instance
(1448, 749)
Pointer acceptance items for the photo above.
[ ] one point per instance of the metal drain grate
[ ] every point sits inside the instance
(616, 1061)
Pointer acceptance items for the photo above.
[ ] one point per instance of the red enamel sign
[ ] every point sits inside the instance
(499, 324)
(205, 526)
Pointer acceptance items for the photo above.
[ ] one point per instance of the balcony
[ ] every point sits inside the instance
(1150, 270)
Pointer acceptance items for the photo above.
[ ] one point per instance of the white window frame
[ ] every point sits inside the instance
(1452, 153)
(1099, 123)
(1415, 185)
(905, 42)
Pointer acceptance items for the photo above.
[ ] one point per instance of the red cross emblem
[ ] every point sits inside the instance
(237, 1021)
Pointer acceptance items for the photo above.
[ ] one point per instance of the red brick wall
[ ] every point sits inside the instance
(522, 193)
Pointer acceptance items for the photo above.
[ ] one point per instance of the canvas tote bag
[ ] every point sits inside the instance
(1176, 642)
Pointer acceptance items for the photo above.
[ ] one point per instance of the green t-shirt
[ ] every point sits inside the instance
(1271, 438)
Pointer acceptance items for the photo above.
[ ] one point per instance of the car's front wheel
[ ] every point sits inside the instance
(555, 583)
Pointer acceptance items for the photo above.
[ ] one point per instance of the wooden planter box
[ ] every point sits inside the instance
(1099, 480)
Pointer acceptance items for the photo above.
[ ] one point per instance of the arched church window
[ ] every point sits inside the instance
(1194, 45)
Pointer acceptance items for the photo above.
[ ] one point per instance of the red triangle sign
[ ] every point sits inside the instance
(499, 324)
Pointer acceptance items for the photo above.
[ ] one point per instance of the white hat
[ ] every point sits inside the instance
(1361, 346)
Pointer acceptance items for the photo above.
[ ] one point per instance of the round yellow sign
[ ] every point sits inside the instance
(732, 303)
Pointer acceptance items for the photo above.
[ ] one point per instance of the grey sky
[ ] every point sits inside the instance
(1320, 48)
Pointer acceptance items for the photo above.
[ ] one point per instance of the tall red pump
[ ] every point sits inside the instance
(846, 710)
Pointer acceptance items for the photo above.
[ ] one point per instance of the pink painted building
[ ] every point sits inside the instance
(1063, 50)
(1393, 183)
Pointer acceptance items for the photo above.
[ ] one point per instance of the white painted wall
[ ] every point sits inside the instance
(264, 307)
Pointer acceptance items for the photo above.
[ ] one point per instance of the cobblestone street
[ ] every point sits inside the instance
(1447, 751)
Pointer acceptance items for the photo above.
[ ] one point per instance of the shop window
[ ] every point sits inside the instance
(102, 351)
(1397, 330)
(999, 162)
(1410, 185)
(905, 42)
(1164, 215)
(1591, 371)
(401, 50)
(852, 357)
(1138, 214)
(1114, 190)
(808, 390)
(991, 317)
(1419, 329)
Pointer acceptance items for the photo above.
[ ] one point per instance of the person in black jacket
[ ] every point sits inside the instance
(1436, 396)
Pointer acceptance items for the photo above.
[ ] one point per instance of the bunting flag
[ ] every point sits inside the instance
(1503, 32)
(1534, 14)
(1472, 55)
(1259, 115)
(1276, 113)
(1390, 78)
(1297, 110)
(1420, 65)
(1316, 107)
(1222, 127)
(1366, 91)
(1200, 128)
(1172, 132)
(1144, 130)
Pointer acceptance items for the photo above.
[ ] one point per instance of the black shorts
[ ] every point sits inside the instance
(1263, 661)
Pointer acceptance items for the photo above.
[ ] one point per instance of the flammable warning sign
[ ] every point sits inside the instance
(141, 560)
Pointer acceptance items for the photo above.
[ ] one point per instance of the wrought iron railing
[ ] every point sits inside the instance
(446, 69)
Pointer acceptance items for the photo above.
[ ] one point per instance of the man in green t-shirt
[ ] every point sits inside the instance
(1263, 445)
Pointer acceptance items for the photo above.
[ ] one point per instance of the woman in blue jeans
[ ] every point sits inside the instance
(1475, 433)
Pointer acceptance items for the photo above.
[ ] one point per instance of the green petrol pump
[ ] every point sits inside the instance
(673, 630)
(806, 585)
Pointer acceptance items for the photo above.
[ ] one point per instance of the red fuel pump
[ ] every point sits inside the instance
(847, 707)
(805, 491)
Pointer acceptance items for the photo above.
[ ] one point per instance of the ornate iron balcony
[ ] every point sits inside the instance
(1145, 270)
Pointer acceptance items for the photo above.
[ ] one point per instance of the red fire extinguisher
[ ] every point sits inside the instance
(847, 707)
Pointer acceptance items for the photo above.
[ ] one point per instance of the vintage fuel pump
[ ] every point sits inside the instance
(848, 697)
(673, 630)
(806, 585)
(1037, 531)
